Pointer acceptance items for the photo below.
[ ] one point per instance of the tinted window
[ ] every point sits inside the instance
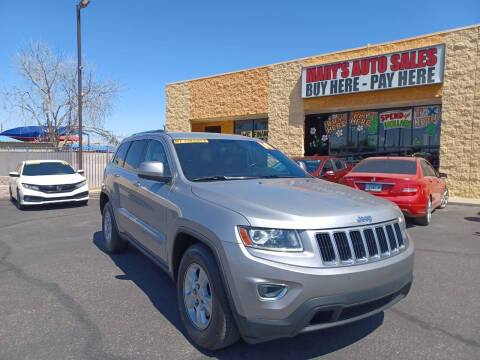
(120, 155)
(156, 152)
(427, 169)
(387, 166)
(135, 155)
(339, 164)
(312, 165)
(202, 158)
(47, 168)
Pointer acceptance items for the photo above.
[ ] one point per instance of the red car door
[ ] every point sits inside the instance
(342, 169)
(431, 180)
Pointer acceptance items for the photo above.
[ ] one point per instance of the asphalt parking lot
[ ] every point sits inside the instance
(63, 297)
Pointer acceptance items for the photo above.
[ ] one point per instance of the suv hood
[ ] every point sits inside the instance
(296, 203)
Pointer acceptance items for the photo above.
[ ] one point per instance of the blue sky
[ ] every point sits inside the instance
(146, 44)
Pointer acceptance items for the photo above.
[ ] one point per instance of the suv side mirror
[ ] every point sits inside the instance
(153, 170)
(443, 175)
(81, 172)
(13, 174)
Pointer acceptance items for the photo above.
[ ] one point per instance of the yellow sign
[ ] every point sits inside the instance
(32, 163)
(189, 141)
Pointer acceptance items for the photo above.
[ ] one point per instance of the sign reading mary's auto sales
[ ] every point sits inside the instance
(392, 71)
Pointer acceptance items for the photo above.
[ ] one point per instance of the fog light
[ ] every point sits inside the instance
(271, 291)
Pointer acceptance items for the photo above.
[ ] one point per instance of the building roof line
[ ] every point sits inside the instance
(443, 32)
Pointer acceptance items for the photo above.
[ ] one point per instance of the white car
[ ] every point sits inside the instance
(38, 182)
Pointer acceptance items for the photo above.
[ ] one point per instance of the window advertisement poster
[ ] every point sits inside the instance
(336, 129)
(426, 129)
(396, 119)
(363, 128)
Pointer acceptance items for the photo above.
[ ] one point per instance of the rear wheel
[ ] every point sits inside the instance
(425, 220)
(444, 199)
(202, 301)
(113, 242)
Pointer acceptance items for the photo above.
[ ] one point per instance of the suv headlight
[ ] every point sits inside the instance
(80, 184)
(31, 187)
(270, 239)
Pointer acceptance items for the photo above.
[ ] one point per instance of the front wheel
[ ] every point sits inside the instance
(202, 301)
(19, 203)
(113, 242)
(444, 199)
(425, 220)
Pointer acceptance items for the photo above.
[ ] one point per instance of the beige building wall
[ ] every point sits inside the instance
(274, 91)
(460, 137)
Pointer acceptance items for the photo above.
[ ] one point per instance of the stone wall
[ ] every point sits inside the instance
(178, 107)
(460, 137)
(286, 117)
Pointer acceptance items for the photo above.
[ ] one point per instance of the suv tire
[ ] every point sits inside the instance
(214, 327)
(113, 242)
(425, 220)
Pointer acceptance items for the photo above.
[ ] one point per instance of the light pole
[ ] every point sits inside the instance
(82, 4)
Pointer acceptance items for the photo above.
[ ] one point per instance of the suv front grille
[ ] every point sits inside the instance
(360, 245)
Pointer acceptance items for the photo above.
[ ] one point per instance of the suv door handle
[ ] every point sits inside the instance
(137, 184)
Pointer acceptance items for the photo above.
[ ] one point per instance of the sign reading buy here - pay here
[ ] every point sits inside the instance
(391, 71)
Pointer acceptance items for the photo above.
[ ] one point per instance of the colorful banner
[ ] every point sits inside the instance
(395, 119)
(362, 118)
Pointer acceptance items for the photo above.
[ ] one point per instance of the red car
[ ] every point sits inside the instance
(328, 168)
(411, 183)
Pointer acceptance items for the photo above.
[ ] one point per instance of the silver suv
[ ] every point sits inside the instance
(257, 247)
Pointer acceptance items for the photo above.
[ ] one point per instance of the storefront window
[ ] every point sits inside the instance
(395, 129)
(363, 131)
(336, 129)
(252, 128)
(359, 134)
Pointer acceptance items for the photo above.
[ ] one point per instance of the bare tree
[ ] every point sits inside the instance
(48, 94)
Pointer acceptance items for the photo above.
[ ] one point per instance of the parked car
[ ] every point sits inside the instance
(257, 247)
(37, 182)
(411, 183)
(328, 168)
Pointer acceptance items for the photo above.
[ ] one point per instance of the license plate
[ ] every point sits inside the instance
(373, 187)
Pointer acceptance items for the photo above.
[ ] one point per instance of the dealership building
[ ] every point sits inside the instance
(418, 96)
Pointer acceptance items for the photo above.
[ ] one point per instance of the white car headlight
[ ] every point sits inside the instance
(80, 184)
(31, 187)
(270, 239)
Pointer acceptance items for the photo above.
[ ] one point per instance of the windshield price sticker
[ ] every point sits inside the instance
(32, 163)
(190, 141)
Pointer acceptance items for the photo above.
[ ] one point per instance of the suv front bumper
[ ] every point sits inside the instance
(317, 298)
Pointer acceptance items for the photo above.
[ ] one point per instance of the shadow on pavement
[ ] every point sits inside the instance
(160, 289)
(45, 207)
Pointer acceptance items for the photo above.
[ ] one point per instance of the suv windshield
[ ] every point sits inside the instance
(47, 168)
(387, 166)
(215, 159)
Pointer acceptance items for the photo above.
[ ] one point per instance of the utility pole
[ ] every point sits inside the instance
(82, 4)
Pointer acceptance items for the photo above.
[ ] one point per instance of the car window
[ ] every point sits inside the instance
(156, 152)
(135, 155)
(339, 164)
(387, 166)
(427, 169)
(34, 168)
(328, 166)
(311, 165)
(119, 158)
